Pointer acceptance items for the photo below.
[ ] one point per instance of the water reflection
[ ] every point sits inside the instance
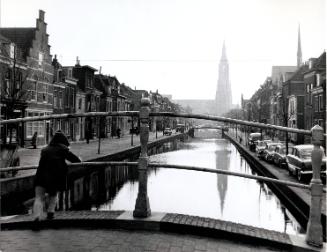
(222, 154)
(188, 192)
(204, 194)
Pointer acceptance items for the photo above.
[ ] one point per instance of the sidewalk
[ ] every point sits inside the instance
(85, 151)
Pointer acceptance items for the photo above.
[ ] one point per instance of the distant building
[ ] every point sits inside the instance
(293, 102)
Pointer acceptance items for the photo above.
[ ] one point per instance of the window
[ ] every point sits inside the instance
(308, 88)
(66, 96)
(316, 103)
(321, 102)
(40, 59)
(12, 51)
(317, 80)
(70, 73)
(60, 99)
(33, 91)
(37, 126)
(72, 100)
(7, 84)
(55, 101)
(80, 103)
(45, 94)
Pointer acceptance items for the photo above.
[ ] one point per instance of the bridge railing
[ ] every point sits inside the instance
(142, 205)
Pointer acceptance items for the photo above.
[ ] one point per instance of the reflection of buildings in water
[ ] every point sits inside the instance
(223, 163)
(265, 189)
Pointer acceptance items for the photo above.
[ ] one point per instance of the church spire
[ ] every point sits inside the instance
(299, 50)
(223, 53)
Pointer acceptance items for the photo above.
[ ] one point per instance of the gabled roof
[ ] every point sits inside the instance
(22, 37)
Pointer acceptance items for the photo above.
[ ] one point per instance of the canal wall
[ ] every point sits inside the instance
(82, 181)
(296, 200)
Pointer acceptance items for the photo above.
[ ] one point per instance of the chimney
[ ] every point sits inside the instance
(100, 69)
(41, 15)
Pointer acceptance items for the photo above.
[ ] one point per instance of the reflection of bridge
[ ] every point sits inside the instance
(142, 209)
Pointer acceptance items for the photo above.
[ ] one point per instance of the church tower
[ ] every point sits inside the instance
(299, 50)
(224, 92)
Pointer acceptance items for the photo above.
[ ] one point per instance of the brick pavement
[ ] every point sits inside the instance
(98, 226)
(116, 240)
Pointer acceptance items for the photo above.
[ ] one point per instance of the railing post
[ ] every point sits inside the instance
(314, 227)
(142, 205)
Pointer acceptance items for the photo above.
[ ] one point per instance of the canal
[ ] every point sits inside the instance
(203, 194)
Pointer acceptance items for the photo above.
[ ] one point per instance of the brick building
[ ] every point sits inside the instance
(85, 76)
(35, 53)
(13, 74)
(64, 99)
(315, 92)
(293, 102)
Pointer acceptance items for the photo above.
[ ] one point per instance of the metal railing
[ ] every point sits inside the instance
(142, 209)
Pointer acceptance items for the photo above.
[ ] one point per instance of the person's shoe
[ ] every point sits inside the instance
(50, 216)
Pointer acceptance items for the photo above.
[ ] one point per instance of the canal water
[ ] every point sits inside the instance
(210, 195)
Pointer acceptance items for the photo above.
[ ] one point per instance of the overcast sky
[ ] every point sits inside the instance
(175, 46)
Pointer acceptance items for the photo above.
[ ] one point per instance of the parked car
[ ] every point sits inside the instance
(167, 131)
(253, 140)
(261, 145)
(299, 162)
(269, 151)
(279, 158)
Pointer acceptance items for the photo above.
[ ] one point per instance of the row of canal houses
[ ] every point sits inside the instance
(33, 83)
(293, 96)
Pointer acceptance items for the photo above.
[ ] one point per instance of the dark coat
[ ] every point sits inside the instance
(52, 170)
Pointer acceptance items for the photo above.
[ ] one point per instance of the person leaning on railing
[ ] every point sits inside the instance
(51, 174)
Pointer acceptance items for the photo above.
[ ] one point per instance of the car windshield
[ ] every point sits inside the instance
(261, 144)
(255, 137)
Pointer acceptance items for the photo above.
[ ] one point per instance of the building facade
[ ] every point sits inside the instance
(33, 43)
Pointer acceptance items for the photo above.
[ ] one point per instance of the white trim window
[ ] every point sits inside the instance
(37, 126)
(33, 91)
(40, 61)
(12, 50)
